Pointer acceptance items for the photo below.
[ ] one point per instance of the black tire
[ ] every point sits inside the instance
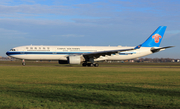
(96, 65)
(90, 64)
(23, 63)
(84, 64)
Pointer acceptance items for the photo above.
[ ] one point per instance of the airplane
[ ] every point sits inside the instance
(89, 55)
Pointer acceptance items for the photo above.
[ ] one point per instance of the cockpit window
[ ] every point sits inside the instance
(13, 50)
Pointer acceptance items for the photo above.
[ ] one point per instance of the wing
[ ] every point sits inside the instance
(103, 53)
(154, 50)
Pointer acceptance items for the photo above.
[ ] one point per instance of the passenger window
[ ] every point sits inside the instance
(39, 47)
(44, 48)
(31, 48)
(35, 47)
(26, 47)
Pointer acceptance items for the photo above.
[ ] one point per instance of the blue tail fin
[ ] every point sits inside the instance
(155, 39)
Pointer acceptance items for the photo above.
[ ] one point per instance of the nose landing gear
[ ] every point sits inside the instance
(23, 62)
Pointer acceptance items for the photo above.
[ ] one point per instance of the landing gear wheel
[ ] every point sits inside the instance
(23, 63)
(90, 64)
(84, 64)
(96, 64)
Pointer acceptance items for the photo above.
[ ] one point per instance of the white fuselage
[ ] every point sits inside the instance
(62, 52)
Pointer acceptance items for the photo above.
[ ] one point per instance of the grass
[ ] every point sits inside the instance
(127, 85)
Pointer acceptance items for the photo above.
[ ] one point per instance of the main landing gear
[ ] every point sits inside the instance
(23, 62)
(90, 64)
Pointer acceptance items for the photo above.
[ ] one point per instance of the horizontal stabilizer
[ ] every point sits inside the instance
(154, 50)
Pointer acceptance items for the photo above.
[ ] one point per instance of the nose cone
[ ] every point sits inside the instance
(7, 53)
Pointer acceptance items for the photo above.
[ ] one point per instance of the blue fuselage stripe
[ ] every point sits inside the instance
(43, 53)
(10, 53)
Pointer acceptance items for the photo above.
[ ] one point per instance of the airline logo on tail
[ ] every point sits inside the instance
(156, 38)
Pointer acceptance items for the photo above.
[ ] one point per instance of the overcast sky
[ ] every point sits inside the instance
(89, 22)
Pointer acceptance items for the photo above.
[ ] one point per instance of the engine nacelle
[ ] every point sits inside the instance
(75, 59)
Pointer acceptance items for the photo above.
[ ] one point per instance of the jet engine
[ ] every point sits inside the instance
(72, 59)
(75, 59)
